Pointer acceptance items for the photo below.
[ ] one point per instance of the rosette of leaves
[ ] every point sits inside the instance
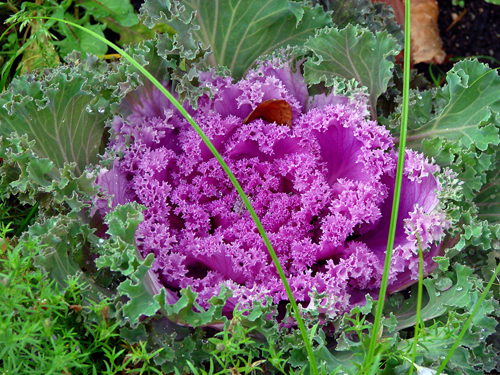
(60, 115)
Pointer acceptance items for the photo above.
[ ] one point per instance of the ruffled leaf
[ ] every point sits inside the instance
(488, 198)
(237, 32)
(35, 180)
(352, 52)
(59, 237)
(445, 299)
(463, 110)
(436, 302)
(472, 167)
(376, 16)
(63, 110)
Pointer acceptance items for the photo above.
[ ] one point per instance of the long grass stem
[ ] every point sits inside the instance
(397, 194)
(419, 301)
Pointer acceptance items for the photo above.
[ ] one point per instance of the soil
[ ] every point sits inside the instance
(475, 33)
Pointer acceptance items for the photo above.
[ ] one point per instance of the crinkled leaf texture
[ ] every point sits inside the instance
(376, 16)
(323, 191)
(447, 303)
(353, 52)
(35, 180)
(237, 31)
(62, 230)
(458, 124)
(462, 109)
(488, 199)
(62, 110)
(455, 291)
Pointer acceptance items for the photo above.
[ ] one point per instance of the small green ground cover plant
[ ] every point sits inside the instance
(139, 225)
(43, 43)
(48, 331)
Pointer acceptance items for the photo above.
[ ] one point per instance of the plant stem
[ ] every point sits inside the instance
(397, 194)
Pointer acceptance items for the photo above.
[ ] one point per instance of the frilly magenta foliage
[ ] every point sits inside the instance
(322, 189)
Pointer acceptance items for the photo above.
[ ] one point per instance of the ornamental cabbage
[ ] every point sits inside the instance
(322, 188)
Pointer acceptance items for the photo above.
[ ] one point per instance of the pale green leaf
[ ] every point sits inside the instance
(81, 41)
(58, 237)
(141, 301)
(376, 16)
(352, 52)
(467, 111)
(63, 112)
(488, 199)
(462, 294)
(239, 31)
(36, 180)
(120, 11)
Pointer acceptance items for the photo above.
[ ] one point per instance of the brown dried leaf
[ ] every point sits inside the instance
(76, 308)
(273, 110)
(426, 43)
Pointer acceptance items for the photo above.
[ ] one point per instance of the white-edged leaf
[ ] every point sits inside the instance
(352, 52)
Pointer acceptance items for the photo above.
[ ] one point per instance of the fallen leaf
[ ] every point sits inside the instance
(76, 308)
(426, 43)
(273, 110)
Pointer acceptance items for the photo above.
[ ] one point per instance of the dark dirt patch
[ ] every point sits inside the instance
(477, 33)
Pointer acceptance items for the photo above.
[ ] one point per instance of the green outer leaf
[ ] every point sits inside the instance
(471, 167)
(78, 40)
(475, 315)
(452, 307)
(465, 117)
(181, 49)
(154, 12)
(120, 254)
(488, 199)
(437, 303)
(36, 181)
(464, 361)
(58, 236)
(141, 301)
(240, 31)
(63, 112)
(345, 362)
(119, 10)
(352, 52)
(376, 16)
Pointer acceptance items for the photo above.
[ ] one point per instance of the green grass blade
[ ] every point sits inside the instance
(233, 179)
(419, 301)
(26, 221)
(6, 69)
(397, 193)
